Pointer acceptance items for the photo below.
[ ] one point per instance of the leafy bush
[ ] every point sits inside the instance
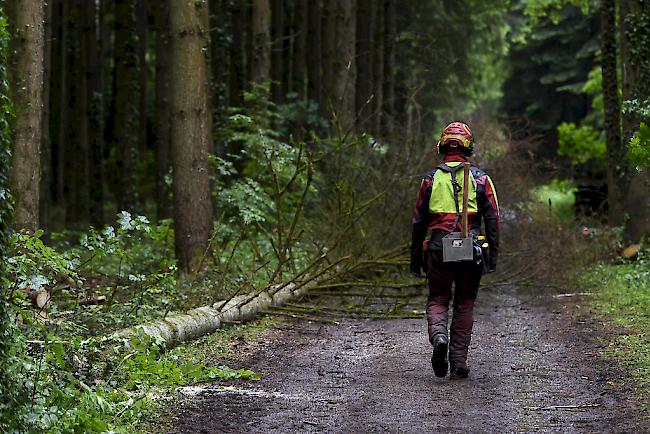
(639, 147)
(581, 144)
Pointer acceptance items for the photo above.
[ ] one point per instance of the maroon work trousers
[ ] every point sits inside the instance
(441, 275)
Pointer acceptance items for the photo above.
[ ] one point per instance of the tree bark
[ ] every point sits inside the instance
(314, 58)
(277, 50)
(389, 67)
(126, 100)
(73, 128)
(299, 47)
(190, 132)
(365, 27)
(344, 64)
(616, 155)
(236, 73)
(163, 121)
(260, 61)
(328, 37)
(219, 63)
(378, 71)
(635, 61)
(95, 91)
(45, 201)
(142, 16)
(60, 112)
(26, 78)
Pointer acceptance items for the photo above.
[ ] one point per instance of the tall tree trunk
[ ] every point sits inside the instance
(61, 110)
(390, 33)
(328, 38)
(190, 132)
(126, 100)
(95, 91)
(77, 146)
(365, 27)
(236, 73)
(314, 82)
(277, 50)
(142, 16)
(635, 61)
(260, 61)
(378, 71)
(163, 121)
(299, 47)
(616, 155)
(219, 63)
(71, 132)
(45, 201)
(26, 78)
(344, 64)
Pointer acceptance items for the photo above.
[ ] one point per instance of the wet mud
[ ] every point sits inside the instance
(534, 368)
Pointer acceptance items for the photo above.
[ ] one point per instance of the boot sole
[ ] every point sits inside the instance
(439, 360)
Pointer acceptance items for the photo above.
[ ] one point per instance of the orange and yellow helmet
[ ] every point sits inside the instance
(456, 134)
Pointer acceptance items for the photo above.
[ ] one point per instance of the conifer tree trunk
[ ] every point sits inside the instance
(126, 100)
(190, 132)
(635, 60)
(45, 200)
(314, 82)
(219, 64)
(299, 47)
(328, 38)
(78, 126)
(162, 123)
(95, 91)
(59, 106)
(390, 33)
(236, 70)
(344, 63)
(277, 50)
(616, 156)
(73, 128)
(260, 59)
(378, 71)
(142, 16)
(26, 78)
(365, 26)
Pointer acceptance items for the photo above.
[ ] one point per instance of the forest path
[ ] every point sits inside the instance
(528, 356)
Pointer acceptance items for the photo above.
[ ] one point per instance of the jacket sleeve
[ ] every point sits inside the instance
(421, 216)
(490, 210)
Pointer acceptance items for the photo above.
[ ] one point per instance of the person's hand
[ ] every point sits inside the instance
(416, 264)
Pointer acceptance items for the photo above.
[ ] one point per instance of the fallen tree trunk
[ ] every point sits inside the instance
(195, 323)
(204, 320)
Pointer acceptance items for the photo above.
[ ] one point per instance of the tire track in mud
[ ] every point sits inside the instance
(533, 370)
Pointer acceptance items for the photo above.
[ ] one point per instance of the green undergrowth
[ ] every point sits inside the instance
(622, 299)
(559, 195)
(206, 352)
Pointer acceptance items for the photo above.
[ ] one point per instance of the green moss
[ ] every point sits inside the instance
(622, 297)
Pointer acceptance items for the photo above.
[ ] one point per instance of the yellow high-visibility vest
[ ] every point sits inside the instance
(442, 192)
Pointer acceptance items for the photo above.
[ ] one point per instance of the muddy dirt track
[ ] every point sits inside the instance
(534, 369)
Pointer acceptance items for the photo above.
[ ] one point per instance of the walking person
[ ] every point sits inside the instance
(438, 211)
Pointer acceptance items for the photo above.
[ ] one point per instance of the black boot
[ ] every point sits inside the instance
(459, 370)
(439, 356)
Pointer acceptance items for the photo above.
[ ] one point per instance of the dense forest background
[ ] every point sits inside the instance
(160, 155)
